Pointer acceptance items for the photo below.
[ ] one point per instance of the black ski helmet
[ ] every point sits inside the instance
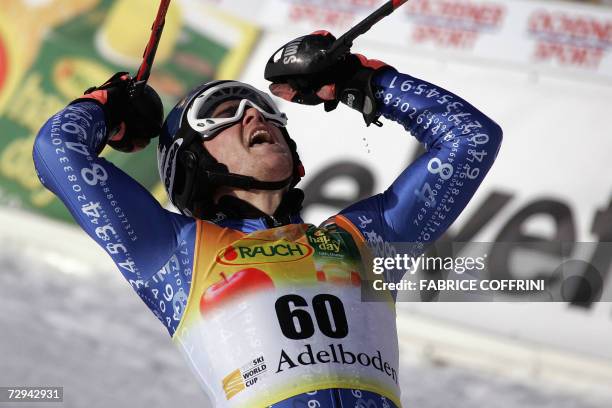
(190, 174)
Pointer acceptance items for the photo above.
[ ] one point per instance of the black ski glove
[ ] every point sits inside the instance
(131, 121)
(303, 72)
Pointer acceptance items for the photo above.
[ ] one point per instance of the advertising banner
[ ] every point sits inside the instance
(563, 37)
(51, 51)
(542, 70)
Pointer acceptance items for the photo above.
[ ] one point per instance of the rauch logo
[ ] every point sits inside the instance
(257, 251)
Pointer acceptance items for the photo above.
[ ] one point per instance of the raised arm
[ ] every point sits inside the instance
(116, 211)
(461, 144)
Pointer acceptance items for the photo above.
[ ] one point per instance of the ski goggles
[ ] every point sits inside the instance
(200, 114)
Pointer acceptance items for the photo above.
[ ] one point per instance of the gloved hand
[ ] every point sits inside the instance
(303, 72)
(131, 121)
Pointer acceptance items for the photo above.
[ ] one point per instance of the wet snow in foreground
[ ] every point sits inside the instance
(90, 334)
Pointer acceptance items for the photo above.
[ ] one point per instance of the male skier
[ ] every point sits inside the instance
(266, 309)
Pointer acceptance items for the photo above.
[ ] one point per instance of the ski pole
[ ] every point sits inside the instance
(343, 44)
(149, 53)
(280, 69)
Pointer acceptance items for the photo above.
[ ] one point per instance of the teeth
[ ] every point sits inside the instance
(259, 137)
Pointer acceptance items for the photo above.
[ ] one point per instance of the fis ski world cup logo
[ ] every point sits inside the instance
(244, 377)
(257, 251)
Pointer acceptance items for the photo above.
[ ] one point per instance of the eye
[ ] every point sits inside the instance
(226, 112)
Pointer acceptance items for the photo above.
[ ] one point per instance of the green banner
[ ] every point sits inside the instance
(50, 53)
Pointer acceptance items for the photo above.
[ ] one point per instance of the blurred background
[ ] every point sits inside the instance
(541, 69)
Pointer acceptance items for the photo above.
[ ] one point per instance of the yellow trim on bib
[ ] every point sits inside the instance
(196, 259)
(295, 391)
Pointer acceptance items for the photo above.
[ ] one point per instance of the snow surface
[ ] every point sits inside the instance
(90, 334)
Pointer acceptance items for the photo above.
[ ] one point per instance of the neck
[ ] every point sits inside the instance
(267, 201)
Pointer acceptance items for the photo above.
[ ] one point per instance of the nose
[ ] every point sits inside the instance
(252, 114)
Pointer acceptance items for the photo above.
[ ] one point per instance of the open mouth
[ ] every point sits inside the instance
(261, 137)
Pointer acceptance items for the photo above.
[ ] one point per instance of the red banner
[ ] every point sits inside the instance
(570, 39)
(453, 23)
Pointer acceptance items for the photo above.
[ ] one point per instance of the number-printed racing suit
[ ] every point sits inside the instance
(267, 310)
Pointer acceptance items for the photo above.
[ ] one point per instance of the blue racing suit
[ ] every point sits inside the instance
(155, 249)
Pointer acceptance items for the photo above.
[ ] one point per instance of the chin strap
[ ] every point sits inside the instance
(203, 173)
(245, 182)
(233, 208)
(217, 174)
